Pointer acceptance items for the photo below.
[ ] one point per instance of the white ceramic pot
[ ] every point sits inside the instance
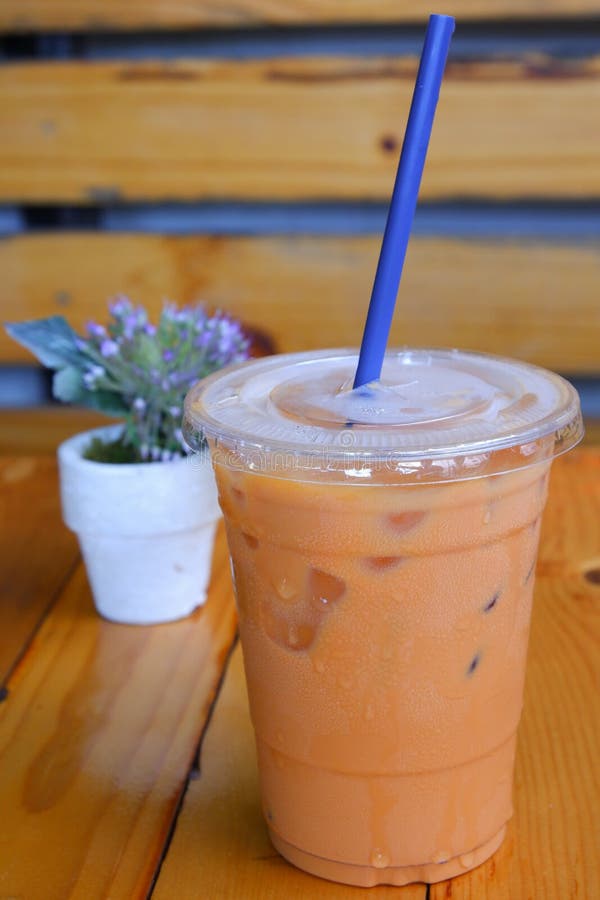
(146, 530)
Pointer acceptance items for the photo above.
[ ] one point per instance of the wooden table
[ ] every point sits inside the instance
(127, 763)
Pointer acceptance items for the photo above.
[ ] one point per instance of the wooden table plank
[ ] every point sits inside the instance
(499, 296)
(29, 15)
(38, 430)
(220, 844)
(96, 740)
(220, 847)
(306, 128)
(551, 850)
(38, 552)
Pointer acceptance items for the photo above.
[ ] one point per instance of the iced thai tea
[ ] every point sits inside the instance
(384, 572)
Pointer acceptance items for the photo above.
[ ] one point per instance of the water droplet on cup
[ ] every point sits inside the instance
(379, 859)
(467, 860)
(300, 635)
(293, 637)
(285, 589)
(250, 540)
(324, 588)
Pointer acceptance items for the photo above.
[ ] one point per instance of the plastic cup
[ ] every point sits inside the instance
(383, 544)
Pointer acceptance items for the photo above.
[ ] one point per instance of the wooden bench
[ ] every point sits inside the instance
(515, 139)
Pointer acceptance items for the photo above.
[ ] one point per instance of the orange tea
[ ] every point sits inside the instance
(383, 544)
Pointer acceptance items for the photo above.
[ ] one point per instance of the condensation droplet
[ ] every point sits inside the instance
(285, 589)
(379, 859)
(293, 636)
(325, 589)
(300, 635)
(467, 860)
(487, 516)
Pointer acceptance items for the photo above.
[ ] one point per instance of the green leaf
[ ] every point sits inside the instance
(108, 402)
(147, 352)
(52, 340)
(116, 451)
(68, 386)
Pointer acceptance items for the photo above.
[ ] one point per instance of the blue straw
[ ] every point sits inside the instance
(404, 199)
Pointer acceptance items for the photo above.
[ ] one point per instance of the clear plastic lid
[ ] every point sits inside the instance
(434, 414)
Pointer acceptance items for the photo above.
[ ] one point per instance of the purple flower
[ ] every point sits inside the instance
(109, 347)
(119, 306)
(92, 376)
(203, 340)
(151, 367)
(94, 330)
(130, 324)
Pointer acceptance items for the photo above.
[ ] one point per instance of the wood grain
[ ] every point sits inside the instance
(38, 552)
(552, 845)
(526, 299)
(293, 128)
(39, 430)
(28, 15)
(220, 839)
(96, 740)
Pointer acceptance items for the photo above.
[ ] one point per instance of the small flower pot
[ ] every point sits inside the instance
(146, 530)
